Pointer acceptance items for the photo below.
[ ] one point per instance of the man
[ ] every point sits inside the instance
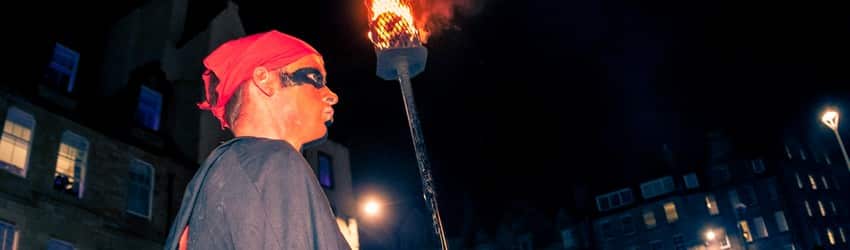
(256, 191)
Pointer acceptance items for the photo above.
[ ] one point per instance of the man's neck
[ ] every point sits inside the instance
(248, 130)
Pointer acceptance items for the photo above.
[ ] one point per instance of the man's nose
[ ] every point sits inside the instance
(331, 97)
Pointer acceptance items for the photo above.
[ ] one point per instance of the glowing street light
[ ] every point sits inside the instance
(830, 119)
(372, 208)
(710, 235)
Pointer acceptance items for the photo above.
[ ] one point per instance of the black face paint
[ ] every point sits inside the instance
(310, 76)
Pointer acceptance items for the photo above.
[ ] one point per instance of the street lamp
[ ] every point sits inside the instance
(830, 119)
(372, 208)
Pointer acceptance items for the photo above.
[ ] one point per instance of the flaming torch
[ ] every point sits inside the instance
(400, 54)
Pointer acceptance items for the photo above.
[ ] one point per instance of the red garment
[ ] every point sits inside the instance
(234, 61)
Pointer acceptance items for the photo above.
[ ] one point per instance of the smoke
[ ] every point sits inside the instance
(435, 16)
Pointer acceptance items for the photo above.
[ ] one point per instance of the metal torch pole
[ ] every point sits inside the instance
(430, 194)
(843, 151)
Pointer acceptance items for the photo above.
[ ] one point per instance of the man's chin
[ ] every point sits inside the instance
(321, 139)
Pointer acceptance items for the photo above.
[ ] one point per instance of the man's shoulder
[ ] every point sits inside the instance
(258, 157)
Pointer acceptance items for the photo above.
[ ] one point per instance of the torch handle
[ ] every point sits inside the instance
(430, 194)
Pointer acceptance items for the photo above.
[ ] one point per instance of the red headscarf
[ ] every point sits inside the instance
(234, 61)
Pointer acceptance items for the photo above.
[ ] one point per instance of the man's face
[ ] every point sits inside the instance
(305, 108)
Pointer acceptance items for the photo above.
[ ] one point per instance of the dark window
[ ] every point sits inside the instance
(8, 235)
(140, 188)
(62, 69)
(325, 170)
(55, 244)
(149, 108)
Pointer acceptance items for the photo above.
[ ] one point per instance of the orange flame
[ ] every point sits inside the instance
(392, 24)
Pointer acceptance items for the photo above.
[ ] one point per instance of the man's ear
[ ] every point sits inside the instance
(262, 78)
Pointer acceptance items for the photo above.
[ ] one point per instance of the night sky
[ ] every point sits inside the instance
(522, 101)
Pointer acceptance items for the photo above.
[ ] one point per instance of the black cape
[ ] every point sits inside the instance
(256, 193)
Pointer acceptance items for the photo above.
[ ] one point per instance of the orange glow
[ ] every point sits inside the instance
(392, 24)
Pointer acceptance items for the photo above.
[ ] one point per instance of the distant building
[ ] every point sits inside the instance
(789, 200)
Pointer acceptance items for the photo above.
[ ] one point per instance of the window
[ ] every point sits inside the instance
(325, 170)
(568, 238)
(826, 157)
(607, 230)
(758, 166)
(71, 164)
(149, 108)
(656, 245)
(822, 209)
(788, 152)
(691, 181)
(830, 236)
(781, 223)
(748, 196)
(834, 209)
(799, 181)
(649, 219)
(614, 199)
(140, 189)
(733, 198)
(657, 187)
(841, 233)
(55, 244)
(745, 229)
(62, 70)
(808, 208)
(813, 182)
(771, 190)
(678, 242)
(8, 236)
(825, 184)
(802, 154)
(628, 224)
(670, 212)
(817, 237)
(15, 144)
(761, 228)
(725, 244)
(711, 204)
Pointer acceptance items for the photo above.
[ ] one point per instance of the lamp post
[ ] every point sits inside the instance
(830, 119)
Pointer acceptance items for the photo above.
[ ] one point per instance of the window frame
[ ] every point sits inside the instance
(150, 190)
(75, 137)
(26, 115)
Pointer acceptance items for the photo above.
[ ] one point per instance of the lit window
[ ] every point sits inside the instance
(725, 244)
(649, 219)
(149, 108)
(822, 209)
(808, 208)
(628, 224)
(8, 236)
(711, 204)
(745, 228)
(781, 223)
(799, 182)
(71, 164)
(830, 236)
(670, 212)
(15, 144)
(841, 233)
(761, 228)
(62, 69)
(813, 182)
(325, 170)
(55, 244)
(825, 184)
(140, 189)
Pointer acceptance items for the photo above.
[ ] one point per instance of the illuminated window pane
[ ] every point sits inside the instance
(799, 181)
(8, 236)
(670, 212)
(813, 182)
(71, 164)
(808, 208)
(781, 223)
(745, 228)
(761, 228)
(822, 209)
(15, 142)
(649, 219)
(830, 236)
(711, 204)
(325, 170)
